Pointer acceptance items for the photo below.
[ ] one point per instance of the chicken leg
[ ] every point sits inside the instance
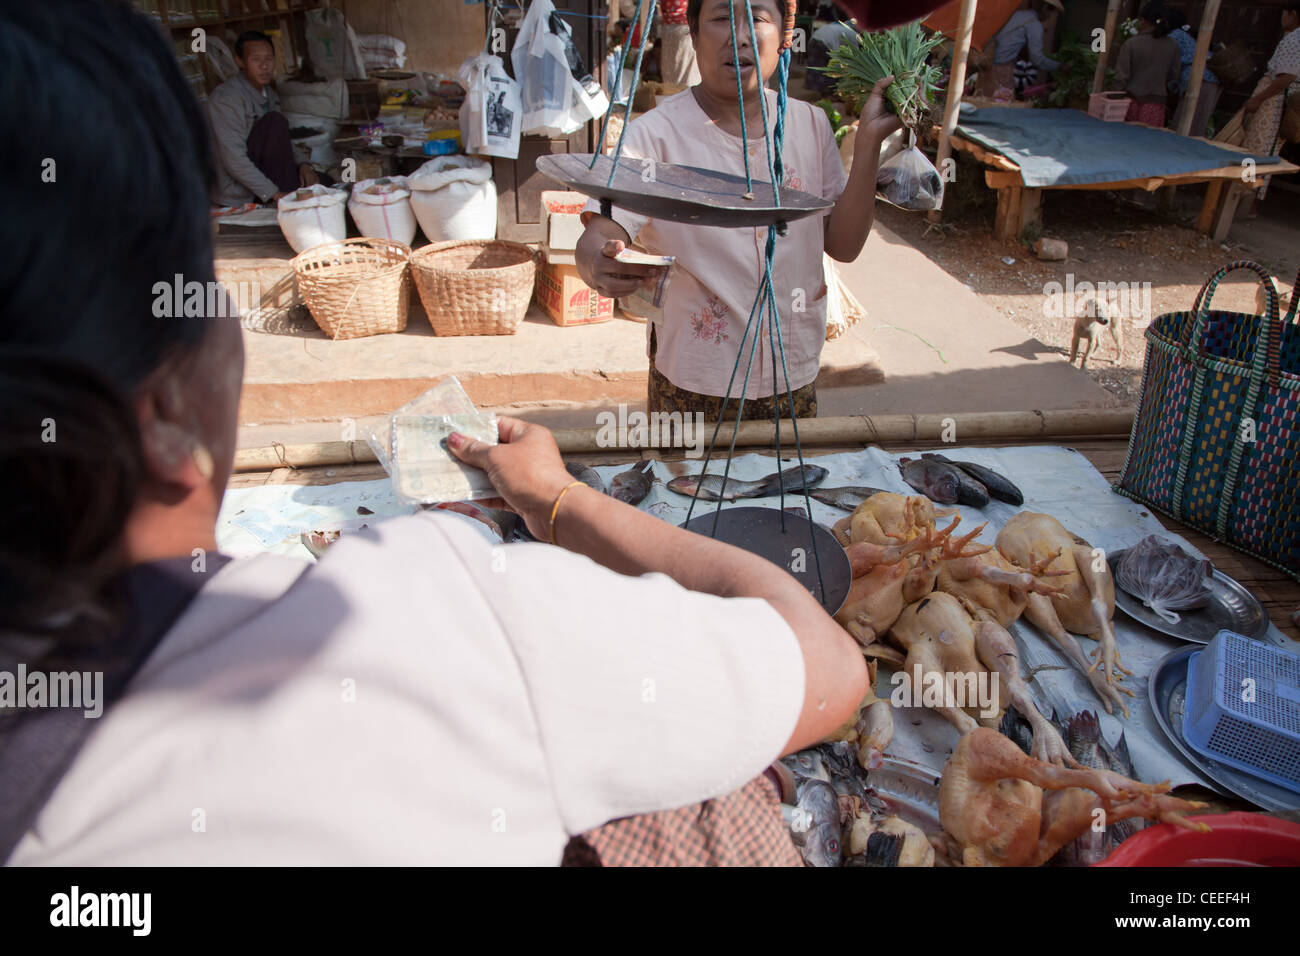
(997, 649)
(1039, 611)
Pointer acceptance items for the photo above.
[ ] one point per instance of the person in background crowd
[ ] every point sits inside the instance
(677, 53)
(1023, 30)
(825, 39)
(1181, 33)
(1264, 108)
(254, 155)
(1148, 63)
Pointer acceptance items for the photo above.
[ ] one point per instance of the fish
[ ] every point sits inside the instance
(943, 483)
(585, 474)
(998, 486)
(711, 485)
(633, 485)
(506, 525)
(1083, 737)
(847, 498)
(807, 765)
(819, 822)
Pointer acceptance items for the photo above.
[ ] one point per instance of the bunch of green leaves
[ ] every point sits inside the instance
(1074, 79)
(901, 52)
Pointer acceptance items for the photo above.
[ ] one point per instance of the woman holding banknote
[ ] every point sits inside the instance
(694, 344)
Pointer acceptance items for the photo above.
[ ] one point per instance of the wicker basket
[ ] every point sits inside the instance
(475, 286)
(356, 287)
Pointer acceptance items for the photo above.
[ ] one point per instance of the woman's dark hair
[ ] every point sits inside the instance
(250, 36)
(106, 166)
(1176, 19)
(693, 8)
(1154, 13)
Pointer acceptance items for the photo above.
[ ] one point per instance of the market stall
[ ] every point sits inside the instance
(1063, 462)
(1028, 151)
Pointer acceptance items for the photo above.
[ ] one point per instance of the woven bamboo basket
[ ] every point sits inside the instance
(356, 287)
(475, 286)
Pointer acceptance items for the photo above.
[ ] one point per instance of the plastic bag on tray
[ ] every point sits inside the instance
(1164, 577)
(411, 445)
(909, 180)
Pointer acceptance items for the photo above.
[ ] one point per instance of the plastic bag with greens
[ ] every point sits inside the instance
(910, 181)
(1164, 577)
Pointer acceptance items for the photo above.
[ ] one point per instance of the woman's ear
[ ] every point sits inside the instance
(174, 455)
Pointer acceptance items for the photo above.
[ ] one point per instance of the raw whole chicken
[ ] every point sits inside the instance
(991, 587)
(938, 637)
(895, 552)
(993, 808)
(1085, 604)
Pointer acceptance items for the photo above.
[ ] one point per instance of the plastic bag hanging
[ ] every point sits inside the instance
(491, 117)
(542, 67)
(910, 181)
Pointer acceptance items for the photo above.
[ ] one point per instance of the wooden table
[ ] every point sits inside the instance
(1279, 594)
(1020, 206)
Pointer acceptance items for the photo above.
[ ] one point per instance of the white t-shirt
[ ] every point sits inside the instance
(718, 271)
(422, 697)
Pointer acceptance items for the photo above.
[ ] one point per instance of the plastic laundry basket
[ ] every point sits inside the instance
(1243, 707)
(1110, 106)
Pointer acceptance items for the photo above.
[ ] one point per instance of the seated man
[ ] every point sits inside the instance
(254, 155)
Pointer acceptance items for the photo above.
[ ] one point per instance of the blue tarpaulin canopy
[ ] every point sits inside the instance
(1070, 148)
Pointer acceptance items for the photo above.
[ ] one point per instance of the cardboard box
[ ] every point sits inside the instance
(560, 230)
(567, 299)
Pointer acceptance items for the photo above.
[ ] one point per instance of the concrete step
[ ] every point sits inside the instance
(295, 373)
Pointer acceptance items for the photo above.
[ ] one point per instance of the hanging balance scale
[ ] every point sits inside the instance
(705, 197)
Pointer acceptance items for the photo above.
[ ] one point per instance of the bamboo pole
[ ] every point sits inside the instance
(1112, 17)
(1202, 54)
(956, 83)
(855, 429)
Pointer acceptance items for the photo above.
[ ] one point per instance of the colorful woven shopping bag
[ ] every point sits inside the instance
(1215, 442)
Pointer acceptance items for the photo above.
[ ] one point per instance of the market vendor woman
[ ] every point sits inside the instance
(694, 346)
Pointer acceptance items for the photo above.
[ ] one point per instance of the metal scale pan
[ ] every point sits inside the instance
(701, 197)
(762, 531)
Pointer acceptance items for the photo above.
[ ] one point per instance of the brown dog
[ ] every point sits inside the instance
(1283, 298)
(1089, 323)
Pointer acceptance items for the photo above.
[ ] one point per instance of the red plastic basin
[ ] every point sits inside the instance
(1235, 839)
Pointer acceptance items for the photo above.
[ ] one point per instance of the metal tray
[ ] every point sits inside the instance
(1167, 688)
(702, 197)
(774, 534)
(1231, 607)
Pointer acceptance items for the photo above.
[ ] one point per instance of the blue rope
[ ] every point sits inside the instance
(636, 80)
(740, 91)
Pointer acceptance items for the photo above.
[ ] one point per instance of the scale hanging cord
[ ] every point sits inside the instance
(618, 83)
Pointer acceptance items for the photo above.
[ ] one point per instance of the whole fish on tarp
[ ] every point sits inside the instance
(633, 485)
(506, 525)
(711, 485)
(1083, 736)
(998, 486)
(846, 498)
(585, 474)
(943, 483)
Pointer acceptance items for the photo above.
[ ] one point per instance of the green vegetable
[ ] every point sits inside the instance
(832, 113)
(901, 52)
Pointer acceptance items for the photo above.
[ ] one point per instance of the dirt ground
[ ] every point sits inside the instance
(1112, 237)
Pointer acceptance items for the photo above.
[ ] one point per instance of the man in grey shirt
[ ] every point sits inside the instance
(1024, 30)
(254, 155)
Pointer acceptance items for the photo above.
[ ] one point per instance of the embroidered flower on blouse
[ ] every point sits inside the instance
(710, 322)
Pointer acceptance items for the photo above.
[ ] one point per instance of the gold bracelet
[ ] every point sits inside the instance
(555, 508)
